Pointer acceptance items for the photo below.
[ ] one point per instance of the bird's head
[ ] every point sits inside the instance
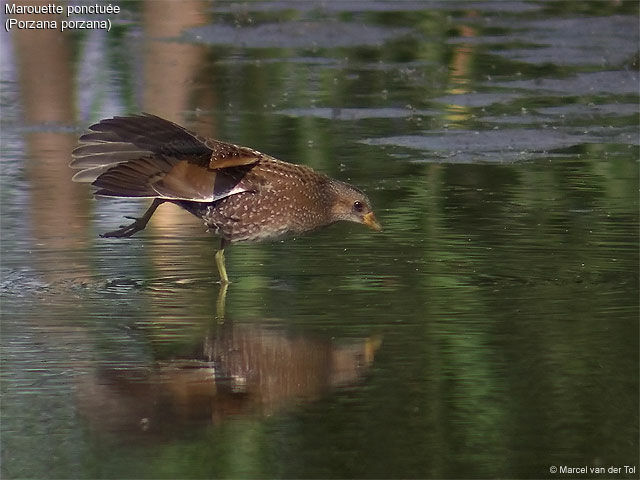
(352, 205)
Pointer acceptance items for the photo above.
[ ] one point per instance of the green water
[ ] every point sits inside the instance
(491, 330)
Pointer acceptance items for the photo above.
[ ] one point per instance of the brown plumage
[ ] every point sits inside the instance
(240, 193)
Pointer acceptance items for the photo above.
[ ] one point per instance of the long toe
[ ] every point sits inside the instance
(124, 231)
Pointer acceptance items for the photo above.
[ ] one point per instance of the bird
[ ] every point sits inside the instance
(241, 194)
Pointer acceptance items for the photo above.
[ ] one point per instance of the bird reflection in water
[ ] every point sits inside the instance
(239, 370)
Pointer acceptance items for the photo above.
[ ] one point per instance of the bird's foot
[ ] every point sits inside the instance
(128, 230)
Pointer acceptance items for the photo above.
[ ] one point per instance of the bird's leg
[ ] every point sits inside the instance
(139, 224)
(221, 302)
(222, 270)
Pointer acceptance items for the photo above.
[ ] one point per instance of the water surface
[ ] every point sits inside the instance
(490, 331)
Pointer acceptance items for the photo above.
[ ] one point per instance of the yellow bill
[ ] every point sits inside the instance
(370, 221)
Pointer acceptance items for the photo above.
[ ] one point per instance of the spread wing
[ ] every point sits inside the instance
(147, 156)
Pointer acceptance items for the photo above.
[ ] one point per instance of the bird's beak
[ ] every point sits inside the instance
(370, 221)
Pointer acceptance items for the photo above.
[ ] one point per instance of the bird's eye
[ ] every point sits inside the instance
(358, 206)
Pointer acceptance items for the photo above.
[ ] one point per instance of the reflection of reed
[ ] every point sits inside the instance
(170, 67)
(461, 71)
(239, 370)
(43, 58)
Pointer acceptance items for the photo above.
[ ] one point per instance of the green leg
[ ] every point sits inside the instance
(221, 302)
(224, 281)
(222, 270)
